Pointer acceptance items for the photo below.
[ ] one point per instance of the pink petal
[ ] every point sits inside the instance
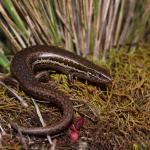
(74, 136)
(79, 123)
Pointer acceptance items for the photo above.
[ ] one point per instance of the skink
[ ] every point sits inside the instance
(30, 60)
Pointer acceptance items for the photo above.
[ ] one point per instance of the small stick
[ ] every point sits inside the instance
(91, 109)
(77, 106)
(12, 91)
(22, 138)
(41, 119)
(1, 134)
(83, 114)
(53, 147)
(2, 130)
(1, 141)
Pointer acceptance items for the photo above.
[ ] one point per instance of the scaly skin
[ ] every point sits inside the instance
(30, 60)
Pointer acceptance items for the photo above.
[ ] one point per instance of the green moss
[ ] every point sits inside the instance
(122, 111)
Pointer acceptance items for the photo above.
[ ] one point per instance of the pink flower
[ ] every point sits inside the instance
(74, 134)
(79, 123)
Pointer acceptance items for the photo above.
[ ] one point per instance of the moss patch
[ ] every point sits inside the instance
(118, 117)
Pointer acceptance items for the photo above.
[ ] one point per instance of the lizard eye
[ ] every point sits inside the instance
(100, 75)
